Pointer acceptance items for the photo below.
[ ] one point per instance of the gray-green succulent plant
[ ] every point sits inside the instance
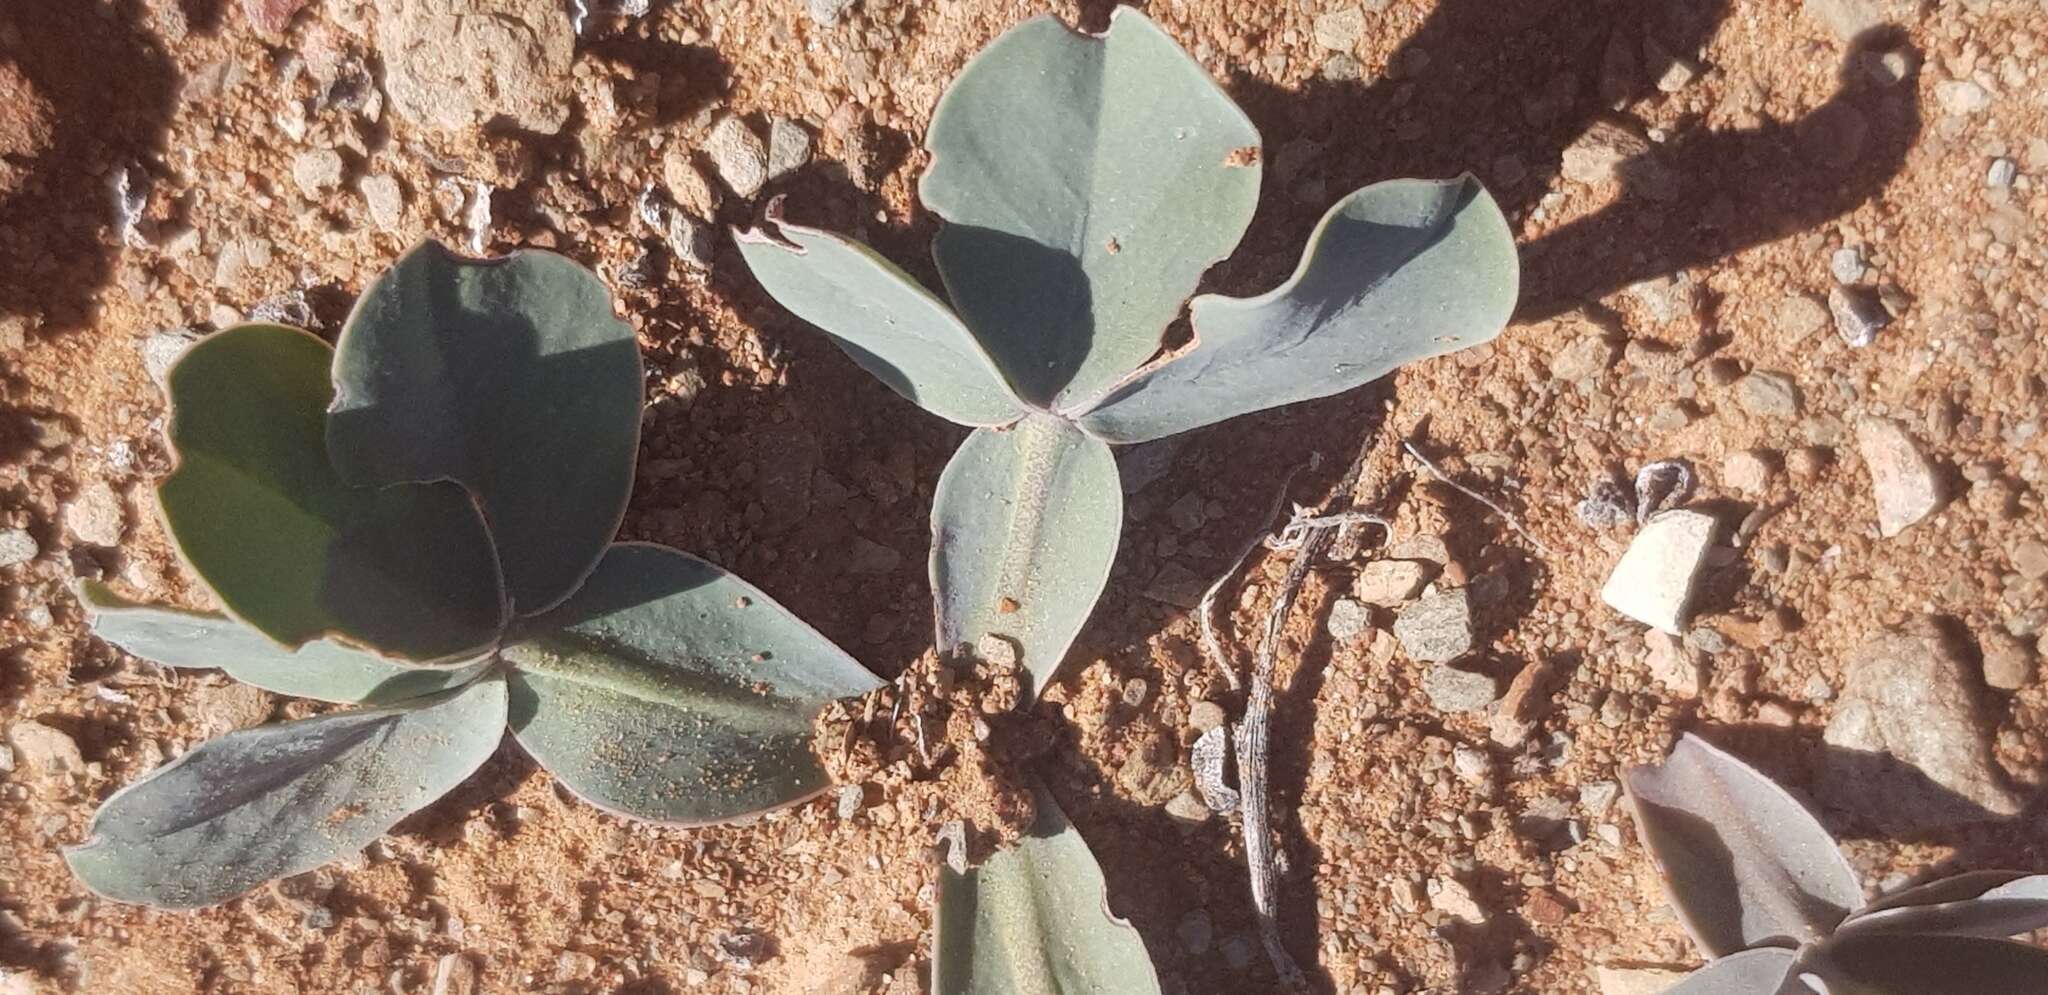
(1085, 184)
(419, 521)
(1034, 919)
(1768, 897)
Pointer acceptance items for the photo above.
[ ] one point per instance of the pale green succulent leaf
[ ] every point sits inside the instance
(1396, 272)
(1763, 971)
(321, 669)
(882, 318)
(510, 376)
(671, 691)
(1024, 527)
(277, 800)
(1983, 903)
(1743, 862)
(1929, 964)
(1086, 183)
(1034, 919)
(288, 546)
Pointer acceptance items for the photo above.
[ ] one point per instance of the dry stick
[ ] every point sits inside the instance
(1253, 736)
(1205, 612)
(1505, 515)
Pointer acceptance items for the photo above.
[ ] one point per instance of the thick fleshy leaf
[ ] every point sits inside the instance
(882, 318)
(510, 376)
(1086, 182)
(1024, 526)
(1396, 272)
(1744, 864)
(672, 691)
(319, 669)
(290, 548)
(278, 800)
(1889, 964)
(1763, 971)
(1985, 903)
(1034, 919)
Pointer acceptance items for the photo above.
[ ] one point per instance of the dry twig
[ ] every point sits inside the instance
(1505, 515)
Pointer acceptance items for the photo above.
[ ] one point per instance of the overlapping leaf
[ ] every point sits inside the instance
(1086, 182)
(1024, 527)
(1764, 971)
(319, 669)
(1927, 964)
(288, 546)
(1985, 903)
(670, 690)
(510, 376)
(282, 799)
(894, 328)
(1397, 272)
(1745, 864)
(1034, 919)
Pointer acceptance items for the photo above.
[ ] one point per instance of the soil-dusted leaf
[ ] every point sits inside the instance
(1984, 903)
(1892, 964)
(1744, 864)
(890, 325)
(277, 800)
(1034, 919)
(290, 548)
(510, 376)
(1086, 182)
(1764, 971)
(1024, 526)
(319, 669)
(1396, 272)
(672, 691)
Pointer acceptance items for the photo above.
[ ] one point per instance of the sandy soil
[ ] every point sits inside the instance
(1761, 145)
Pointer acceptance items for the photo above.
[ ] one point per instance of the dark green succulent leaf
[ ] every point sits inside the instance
(1396, 272)
(1034, 919)
(278, 800)
(286, 545)
(882, 318)
(320, 669)
(1907, 964)
(1743, 862)
(1024, 527)
(1986, 903)
(669, 690)
(1763, 971)
(1086, 182)
(510, 376)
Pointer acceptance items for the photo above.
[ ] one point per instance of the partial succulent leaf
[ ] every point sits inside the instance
(1892, 964)
(1024, 526)
(290, 548)
(1086, 182)
(319, 669)
(1396, 272)
(671, 691)
(1986, 903)
(1763, 971)
(1744, 864)
(1034, 919)
(882, 318)
(510, 376)
(278, 800)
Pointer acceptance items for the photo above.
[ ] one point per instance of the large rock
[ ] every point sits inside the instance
(1907, 747)
(450, 65)
(1653, 583)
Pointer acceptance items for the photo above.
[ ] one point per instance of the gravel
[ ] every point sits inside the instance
(738, 155)
(16, 547)
(1437, 627)
(1906, 484)
(1452, 690)
(1653, 582)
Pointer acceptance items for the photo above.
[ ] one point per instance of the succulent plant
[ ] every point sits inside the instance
(1034, 919)
(1768, 897)
(1085, 184)
(419, 521)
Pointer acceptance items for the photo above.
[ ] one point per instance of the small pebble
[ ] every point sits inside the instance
(1906, 482)
(1453, 691)
(738, 155)
(16, 547)
(1437, 627)
(95, 516)
(1348, 621)
(2002, 173)
(1962, 96)
(1846, 264)
(1205, 715)
(1858, 314)
(789, 147)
